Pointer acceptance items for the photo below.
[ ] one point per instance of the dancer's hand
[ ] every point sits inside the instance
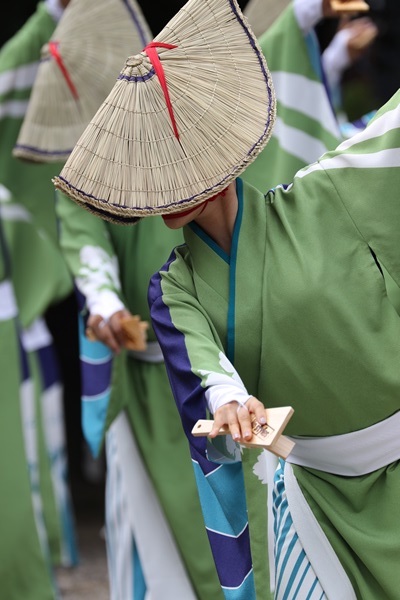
(109, 331)
(238, 417)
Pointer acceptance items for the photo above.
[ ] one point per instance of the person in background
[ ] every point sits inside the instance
(304, 129)
(25, 571)
(156, 543)
(40, 280)
(349, 45)
(276, 297)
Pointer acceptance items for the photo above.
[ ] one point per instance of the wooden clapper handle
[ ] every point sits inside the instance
(268, 436)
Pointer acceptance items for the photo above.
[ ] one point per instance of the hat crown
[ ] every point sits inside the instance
(134, 61)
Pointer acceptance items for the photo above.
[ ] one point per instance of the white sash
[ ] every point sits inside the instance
(36, 336)
(8, 304)
(351, 454)
(152, 354)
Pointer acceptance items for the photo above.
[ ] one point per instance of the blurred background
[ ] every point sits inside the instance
(374, 79)
(366, 86)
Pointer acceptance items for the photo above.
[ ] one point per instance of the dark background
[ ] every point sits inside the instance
(375, 78)
(366, 86)
(157, 14)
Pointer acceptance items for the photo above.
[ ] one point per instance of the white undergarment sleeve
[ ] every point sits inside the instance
(104, 303)
(55, 9)
(8, 303)
(335, 59)
(220, 394)
(308, 13)
(36, 336)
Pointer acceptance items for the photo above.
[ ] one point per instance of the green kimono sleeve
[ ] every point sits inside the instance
(89, 253)
(187, 316)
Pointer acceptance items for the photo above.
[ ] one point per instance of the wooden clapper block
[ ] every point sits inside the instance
(350, 6)
(268, 436)
(135, 331)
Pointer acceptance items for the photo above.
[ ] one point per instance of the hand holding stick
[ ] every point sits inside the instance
(268, 436)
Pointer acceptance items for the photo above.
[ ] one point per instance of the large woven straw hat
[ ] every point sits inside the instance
(262, 13)
(186, 116)
(78, 69)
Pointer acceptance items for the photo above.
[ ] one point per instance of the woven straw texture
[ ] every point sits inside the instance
(129, 162)
(262, 13)
(92, 40)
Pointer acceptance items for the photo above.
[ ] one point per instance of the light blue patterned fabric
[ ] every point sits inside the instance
(294, 575)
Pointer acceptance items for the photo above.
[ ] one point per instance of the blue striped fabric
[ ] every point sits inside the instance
(96, 366)
(294, 575)
(223, 503)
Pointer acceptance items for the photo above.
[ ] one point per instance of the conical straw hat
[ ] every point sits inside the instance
(79, 67)
(172, 135)
(262, 13)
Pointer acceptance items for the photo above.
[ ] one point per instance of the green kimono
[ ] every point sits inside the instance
(117, 261)
(301, 309)
(24, 570)
(39, 274)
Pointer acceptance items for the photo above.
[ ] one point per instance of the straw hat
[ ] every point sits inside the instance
(262, 13)
(184, 119)
(78, 69)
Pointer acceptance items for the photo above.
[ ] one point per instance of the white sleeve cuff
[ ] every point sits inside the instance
(308, 13)
(105, 304)
(220, 394)
(336, 59)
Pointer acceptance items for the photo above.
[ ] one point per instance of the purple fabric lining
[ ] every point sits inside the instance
(233, 571)
(49, 366)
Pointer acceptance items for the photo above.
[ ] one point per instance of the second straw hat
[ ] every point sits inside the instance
(78, 69)
(184, 119)
(262, 13)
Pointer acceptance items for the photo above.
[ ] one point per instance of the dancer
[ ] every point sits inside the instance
(40, 281)
(274, 299)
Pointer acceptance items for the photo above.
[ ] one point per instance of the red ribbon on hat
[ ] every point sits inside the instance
(54, 51)
(152, 53)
